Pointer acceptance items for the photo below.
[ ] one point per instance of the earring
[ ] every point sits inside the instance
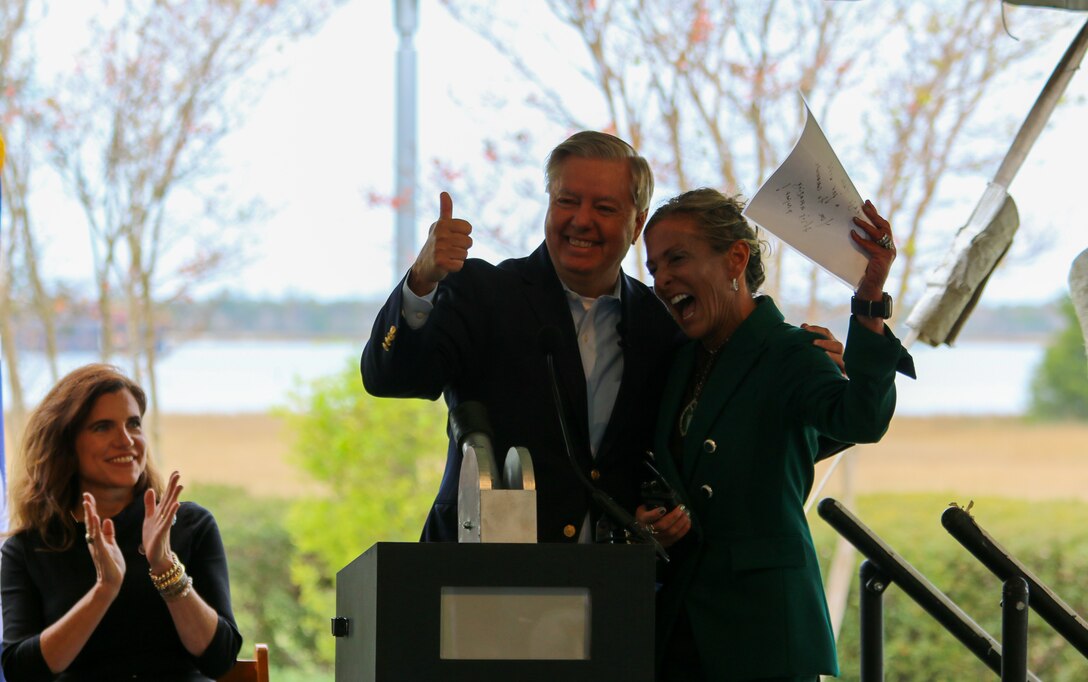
(735, 287)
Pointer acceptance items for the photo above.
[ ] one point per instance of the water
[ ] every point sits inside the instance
(972, 378)
(216, 376)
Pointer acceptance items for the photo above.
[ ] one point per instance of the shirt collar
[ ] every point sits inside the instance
(586, 302)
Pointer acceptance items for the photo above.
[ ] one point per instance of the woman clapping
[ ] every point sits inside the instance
(107, 576)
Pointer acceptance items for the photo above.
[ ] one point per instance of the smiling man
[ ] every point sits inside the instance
(468, 330)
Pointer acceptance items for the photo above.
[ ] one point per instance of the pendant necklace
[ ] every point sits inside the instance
(688, 413)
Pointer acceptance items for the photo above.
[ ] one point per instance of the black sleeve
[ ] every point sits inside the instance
(207, 566)
(401, 362)
(397, 361)
(23, 620)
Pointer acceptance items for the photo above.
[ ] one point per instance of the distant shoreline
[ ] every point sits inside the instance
(967, 457)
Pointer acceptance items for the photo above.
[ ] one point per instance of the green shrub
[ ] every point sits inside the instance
(259, 554)
(380, 461)
(1059, 389)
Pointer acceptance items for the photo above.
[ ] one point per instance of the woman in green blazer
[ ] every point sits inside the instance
(746, 403)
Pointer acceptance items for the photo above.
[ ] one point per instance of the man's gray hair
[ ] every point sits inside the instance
(590, 144)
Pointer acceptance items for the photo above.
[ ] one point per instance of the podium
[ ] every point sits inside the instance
(479, 612)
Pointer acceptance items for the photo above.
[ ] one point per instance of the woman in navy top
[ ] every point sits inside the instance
(106, 574)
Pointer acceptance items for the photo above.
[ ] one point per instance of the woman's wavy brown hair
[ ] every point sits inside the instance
(45, 497)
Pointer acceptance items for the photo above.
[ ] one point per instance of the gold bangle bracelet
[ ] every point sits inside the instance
(174, 563)
(169, 577)
(170, 583)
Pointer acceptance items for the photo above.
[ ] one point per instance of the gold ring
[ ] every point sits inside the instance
(89, 538)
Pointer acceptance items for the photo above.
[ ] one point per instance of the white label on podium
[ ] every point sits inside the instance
(515, 623)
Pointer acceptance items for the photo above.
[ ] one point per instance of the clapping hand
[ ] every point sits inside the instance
(109, 563)
(158, 518)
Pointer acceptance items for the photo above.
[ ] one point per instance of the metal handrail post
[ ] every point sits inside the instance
(915, 585)
(1066, 622)
(873, 583)
(1014, 630)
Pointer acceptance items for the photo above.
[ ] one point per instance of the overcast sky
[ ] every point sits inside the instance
(321, 139)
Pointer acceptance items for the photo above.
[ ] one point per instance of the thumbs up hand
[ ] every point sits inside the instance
(446, 249)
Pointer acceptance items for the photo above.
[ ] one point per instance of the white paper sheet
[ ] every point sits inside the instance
(809, 202)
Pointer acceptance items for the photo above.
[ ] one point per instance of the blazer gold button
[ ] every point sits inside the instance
(594, 474)
(709, 446)
(708, 491)
(569, 530)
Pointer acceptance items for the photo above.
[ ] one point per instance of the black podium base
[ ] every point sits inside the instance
(420, 612)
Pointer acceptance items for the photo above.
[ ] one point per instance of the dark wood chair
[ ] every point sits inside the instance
(250, 670)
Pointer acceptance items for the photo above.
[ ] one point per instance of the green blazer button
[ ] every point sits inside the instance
(709, 446)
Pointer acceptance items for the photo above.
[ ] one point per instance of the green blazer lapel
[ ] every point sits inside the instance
(736, 359)
(670, 410)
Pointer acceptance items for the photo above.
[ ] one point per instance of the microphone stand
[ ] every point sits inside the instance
(601, 498)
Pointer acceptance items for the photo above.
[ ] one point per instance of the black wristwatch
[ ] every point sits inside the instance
(881, 308)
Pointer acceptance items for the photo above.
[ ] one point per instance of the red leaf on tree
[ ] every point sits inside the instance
(700, 27)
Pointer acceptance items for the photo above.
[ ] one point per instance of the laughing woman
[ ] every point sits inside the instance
(106, 575)
(738, 430)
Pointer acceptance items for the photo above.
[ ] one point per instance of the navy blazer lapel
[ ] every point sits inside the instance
(735, 362)
(637, 364)
(547, 299)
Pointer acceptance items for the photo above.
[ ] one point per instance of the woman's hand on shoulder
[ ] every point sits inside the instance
(109, 563)
(159, 516)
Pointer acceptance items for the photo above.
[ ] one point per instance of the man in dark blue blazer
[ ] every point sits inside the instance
(469, 330)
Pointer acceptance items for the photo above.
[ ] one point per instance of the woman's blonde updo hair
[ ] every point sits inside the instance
(719, 219)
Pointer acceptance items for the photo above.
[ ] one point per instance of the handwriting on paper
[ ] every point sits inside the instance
(808, 202)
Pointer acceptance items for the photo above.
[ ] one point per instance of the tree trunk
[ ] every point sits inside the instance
(105, 314)
(133, 330)
(13, 399)
(14, 402)
(22, 241)
(148, 339)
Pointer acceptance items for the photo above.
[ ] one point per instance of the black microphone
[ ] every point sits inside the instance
(471, 427)
(549, 341)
